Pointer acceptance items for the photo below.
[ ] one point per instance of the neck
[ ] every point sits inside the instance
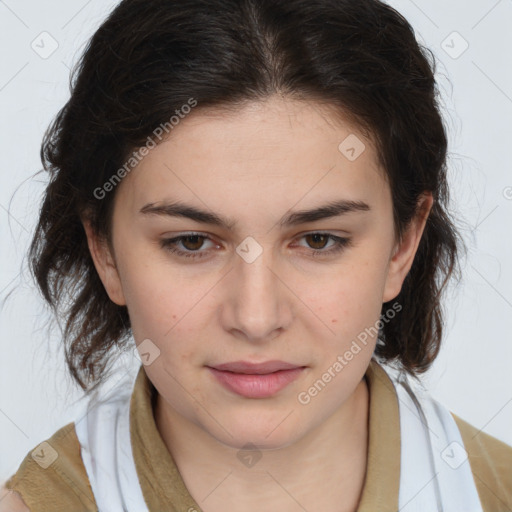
(323, 470)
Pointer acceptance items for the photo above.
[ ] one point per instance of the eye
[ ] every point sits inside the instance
(318, 242)
(192, 243)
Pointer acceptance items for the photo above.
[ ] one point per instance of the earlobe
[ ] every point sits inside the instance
(105, 265)
(405, 251)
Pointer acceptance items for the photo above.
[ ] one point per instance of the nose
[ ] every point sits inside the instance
(257, 306)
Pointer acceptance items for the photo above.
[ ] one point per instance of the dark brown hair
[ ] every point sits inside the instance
(151, 56)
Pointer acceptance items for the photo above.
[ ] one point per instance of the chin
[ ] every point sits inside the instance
(270, 434)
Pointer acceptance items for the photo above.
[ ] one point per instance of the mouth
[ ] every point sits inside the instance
(255, 368)
(259, 380)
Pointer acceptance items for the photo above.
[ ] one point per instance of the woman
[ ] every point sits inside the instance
(255, 192)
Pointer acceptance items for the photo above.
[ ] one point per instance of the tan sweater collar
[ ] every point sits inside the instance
(164, 489)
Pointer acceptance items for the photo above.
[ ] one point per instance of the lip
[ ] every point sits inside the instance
(255, 368)
(260, 380)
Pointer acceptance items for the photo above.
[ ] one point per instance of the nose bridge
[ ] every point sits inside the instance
(256, 281)
(258, 300)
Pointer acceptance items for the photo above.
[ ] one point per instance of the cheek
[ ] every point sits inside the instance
(346, 302)
(352, 288)
(165, 307)
(154, 298)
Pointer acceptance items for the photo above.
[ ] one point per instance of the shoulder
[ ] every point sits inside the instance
(491, 464)
(52, 476)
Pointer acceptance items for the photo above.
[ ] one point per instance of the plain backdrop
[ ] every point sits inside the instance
(472, 42)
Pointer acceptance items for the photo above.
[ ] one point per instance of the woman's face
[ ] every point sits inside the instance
(261, 287)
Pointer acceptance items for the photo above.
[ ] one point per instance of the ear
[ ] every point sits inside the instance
(105, 264)
(404, 251)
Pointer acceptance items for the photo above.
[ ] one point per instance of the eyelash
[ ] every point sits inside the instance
(170, 243)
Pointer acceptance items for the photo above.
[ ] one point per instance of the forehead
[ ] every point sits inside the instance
(279, 152)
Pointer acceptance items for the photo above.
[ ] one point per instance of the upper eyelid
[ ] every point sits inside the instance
(206, 235)
(210, 237)
(179, 237)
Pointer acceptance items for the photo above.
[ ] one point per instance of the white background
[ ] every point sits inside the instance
(472, 375)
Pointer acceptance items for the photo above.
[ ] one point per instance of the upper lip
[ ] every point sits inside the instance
(255, 368)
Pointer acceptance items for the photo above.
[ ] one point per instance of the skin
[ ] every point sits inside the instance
(255, 165)
(11, 501)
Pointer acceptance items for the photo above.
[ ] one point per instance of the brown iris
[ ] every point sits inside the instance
(317, 238)
(196, 242)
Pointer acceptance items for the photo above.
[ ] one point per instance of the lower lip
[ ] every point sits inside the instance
(256, 386)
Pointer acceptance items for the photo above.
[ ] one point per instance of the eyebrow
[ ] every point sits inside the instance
(329, 210)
